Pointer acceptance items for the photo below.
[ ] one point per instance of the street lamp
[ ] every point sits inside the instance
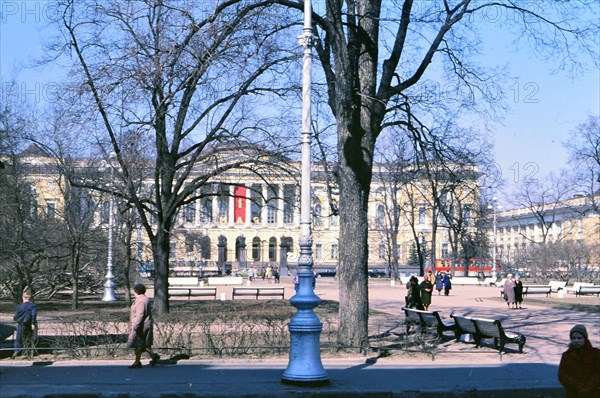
(494, 207)
(109, 285)
(305, 367)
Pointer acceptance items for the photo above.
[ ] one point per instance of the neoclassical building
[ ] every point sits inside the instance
(574, 222)
(251, 221)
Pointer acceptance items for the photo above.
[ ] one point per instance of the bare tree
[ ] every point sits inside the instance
(376, 57)
(584, 149)
(167, 86)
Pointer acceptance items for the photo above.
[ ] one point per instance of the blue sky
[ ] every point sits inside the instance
(545, 106)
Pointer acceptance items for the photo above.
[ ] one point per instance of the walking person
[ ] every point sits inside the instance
(447, 284)
(509, 291)
(439, 282)
(141, 334)
(518, 292)
(426, 291)
(579, 369)
(26, 318)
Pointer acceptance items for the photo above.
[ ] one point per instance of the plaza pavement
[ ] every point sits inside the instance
(458, 369)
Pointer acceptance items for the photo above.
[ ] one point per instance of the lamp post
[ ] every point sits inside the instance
(494, 206)
(305, 367)
(109, 285)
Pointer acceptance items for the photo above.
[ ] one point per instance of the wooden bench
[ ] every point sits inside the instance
(183, 281)
(482, 328)
(489, 281)
(465, 280)
(537, 289)
(583, 290)
(257, 292)
(225, 280)
(575, 288)
(557, 285)
(190, 292)
(425, 319)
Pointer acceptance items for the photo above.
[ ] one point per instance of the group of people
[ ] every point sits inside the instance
(418, 295)
(267, 273)
(512, 291)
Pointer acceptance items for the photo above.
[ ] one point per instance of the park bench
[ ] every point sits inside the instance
(583, 290)
(183, 281)
(576, 286)
(257, 292)
(488, 281)
(482, 328)
(190, 292)
(465, 280)
(557, 285)
(225, 280)
(425, 319)
(537, 289)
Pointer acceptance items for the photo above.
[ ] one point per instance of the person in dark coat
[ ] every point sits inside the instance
(26, 318)
(579, 369)
(413, 297)
(518, 292)
(141, 334)
(439, 282)
(426, 290)
(447, 284)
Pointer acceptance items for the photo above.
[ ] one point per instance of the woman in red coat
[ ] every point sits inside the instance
(579, 369)
(140, 335)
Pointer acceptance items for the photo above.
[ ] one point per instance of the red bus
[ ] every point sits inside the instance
(475, 266)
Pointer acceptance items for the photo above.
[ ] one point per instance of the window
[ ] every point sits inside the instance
(190, 212)
(381, 251)
(256, 248)
(256, 205)
(272, 248)
(205, 247)
(271, 205)
(288, 205)
(319, 251)
(422, 217)
(207, 216)
(317, 216)
(467, 215)
(380, 220)
(334, 251)
(444, 250)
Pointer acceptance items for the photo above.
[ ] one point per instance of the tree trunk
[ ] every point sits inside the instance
(354, 179)
(161, 271)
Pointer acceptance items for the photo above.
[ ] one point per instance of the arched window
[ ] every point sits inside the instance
(205, 247)
(272, 249)
(256, 248)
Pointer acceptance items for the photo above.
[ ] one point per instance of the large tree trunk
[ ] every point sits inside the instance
(161, 272)
(354, 179)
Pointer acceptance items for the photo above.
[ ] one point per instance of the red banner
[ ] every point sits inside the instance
(239, 214)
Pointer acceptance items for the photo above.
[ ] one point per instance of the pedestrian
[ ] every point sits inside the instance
(426, 290)
(447, 284)
(439, 282)
(509, 291)
(413, 297)
(296, 282)
(26, 318)
(579, 369)
(251, 274)
(141, 334)
(276, 274)
(518, 292)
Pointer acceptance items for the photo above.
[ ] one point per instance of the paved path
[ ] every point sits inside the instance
(459, 369)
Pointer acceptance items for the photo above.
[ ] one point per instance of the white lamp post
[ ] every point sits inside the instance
(109, 285)
(305, 367)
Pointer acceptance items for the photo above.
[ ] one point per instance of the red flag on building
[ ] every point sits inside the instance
(239, 214)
